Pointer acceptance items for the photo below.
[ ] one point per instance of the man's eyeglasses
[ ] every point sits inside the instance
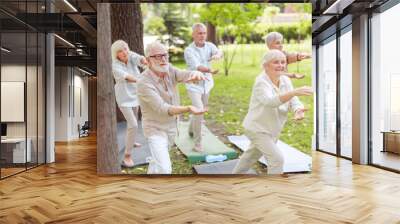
(160, 56)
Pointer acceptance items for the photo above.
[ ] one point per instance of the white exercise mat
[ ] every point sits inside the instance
(225, 167)
(295, 160)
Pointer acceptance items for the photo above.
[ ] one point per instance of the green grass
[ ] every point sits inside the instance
(230, 97)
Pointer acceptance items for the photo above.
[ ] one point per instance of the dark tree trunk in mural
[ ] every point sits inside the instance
(127, 25)
(107, 147)
(211, 33)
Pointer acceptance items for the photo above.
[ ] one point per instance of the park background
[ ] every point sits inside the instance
(239, 30)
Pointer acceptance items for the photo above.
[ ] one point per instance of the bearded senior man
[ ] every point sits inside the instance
(198, 56)
(159, 101)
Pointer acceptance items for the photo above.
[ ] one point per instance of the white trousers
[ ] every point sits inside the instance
(159, 145)
(261, 145)
(130, 114)
(200, 101)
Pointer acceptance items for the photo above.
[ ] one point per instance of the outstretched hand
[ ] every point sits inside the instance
(197, 76)
(214, 71)
(303, 91)
(299, 114)
(298, 76)
(303, 56)
(215, 57)
(197, 111)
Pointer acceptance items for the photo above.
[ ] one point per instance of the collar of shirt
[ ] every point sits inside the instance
(156, 77)
(163, 83)
(193, 44)
(282, 83)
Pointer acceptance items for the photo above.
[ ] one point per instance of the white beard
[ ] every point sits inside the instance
(163, 68)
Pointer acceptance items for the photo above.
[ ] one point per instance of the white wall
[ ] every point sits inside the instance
(61, 103)
(70, 83)
(33, 126)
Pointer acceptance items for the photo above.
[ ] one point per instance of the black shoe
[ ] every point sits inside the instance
(191, 134)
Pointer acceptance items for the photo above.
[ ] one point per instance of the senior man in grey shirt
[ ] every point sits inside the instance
(159, 102)
(198, 56)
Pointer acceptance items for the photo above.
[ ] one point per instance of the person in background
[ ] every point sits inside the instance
(159, 102)
(126, 73)
(198, 56)
(271, 99)
(274, 40)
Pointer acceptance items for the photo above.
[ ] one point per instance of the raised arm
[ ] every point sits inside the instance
(294, 57)
(149, 95)
(265, 95)
(294, 75)
(186, 76)
(137, 59)
(120, 74)
(216, 53)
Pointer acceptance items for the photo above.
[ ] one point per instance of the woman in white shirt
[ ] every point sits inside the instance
(126, 73)
(272, 97)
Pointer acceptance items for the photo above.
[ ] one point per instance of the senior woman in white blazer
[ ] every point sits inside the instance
(272, 98)
(126, 73)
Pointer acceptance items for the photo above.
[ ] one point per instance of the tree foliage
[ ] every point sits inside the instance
(233, 17)
(155, 26)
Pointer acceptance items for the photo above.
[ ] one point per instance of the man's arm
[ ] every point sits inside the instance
(216, 53)
(204, 69)
(148, 95)
(175, 110)
(186, 76)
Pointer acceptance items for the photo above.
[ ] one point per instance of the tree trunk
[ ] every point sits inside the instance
(107, 147)
(127, 25)
(212, 33)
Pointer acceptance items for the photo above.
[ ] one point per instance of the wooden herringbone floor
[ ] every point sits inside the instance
(69, 191)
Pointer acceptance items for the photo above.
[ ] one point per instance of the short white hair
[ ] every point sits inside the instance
(272, 37)
(151, 46)
(117, 46)
(272, 55)
(196, 25)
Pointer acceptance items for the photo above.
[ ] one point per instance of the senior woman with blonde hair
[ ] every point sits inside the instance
(272, 98)
(274, 41)
(126, 73)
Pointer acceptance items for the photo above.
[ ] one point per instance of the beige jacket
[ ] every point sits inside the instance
(155, 99)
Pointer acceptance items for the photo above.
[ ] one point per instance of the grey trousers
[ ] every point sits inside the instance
(130, 114)
(200, 101)
(262, 144)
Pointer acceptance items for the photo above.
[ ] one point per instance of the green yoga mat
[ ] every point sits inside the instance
(211, 145)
